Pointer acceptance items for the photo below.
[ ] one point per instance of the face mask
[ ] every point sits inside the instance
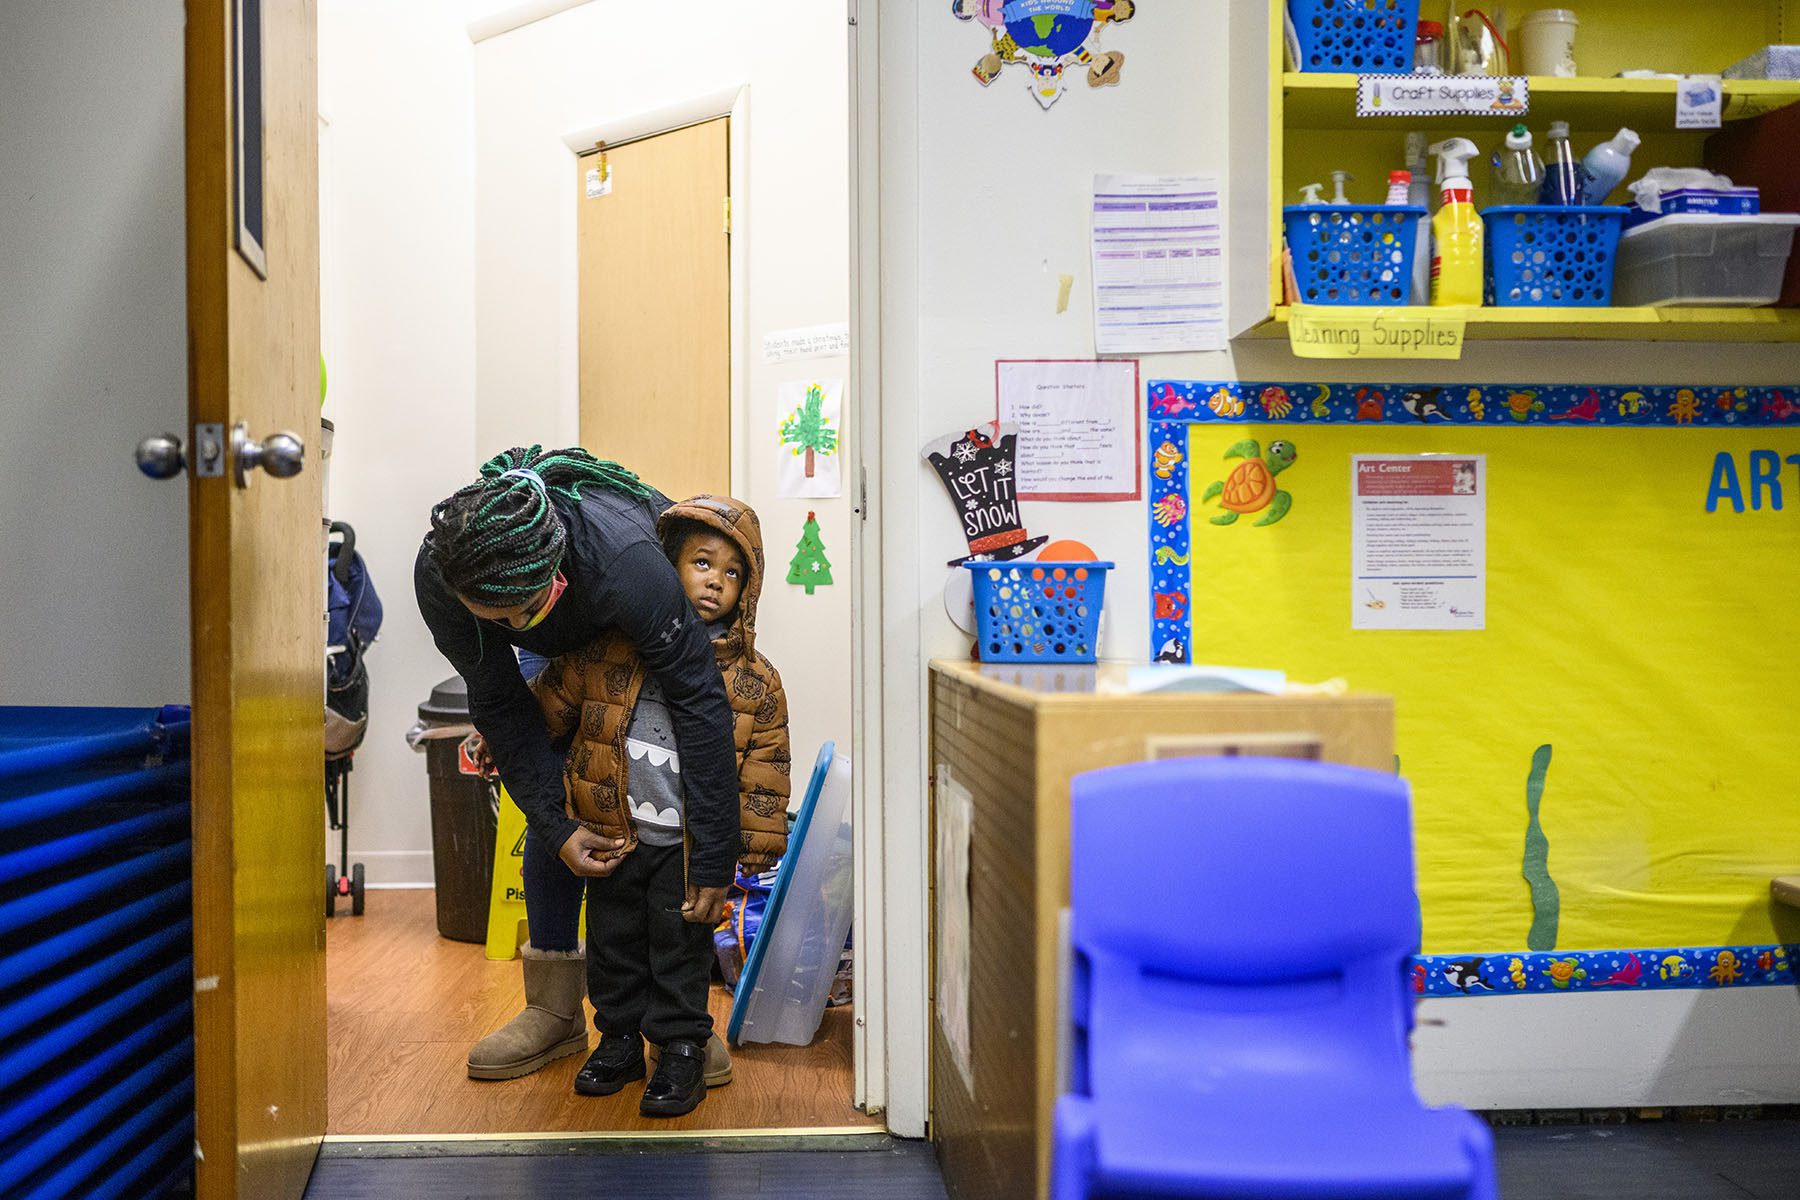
(557, 587)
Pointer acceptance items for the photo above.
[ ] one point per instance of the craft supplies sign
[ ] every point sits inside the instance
(1442, 95)
(1418, 541)
(1159, 275)
(1078, 427)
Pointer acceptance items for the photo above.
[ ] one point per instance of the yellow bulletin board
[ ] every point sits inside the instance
(1605, 776)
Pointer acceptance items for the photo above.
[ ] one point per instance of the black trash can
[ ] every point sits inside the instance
(464, 813)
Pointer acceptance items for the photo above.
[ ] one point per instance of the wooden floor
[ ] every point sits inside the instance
(404, 1005)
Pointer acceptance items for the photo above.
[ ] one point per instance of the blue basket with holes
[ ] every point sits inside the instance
(1551, 255)
(1364, 37)
(1038, 611)
(1353, 253)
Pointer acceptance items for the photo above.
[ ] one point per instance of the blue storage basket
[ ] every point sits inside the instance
(1551, 254)
(1361, 36)
(1353, 253)
(1038, 611)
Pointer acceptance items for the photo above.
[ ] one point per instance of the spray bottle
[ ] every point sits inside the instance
(1457, 233)
(1418, 193)
(1518, 171)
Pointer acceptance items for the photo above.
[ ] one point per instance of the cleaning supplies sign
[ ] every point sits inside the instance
(1321, 332)
(1442, 95)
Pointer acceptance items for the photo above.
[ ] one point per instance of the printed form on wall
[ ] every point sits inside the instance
(1078, 426)
(1159, 273)
(1418, 541)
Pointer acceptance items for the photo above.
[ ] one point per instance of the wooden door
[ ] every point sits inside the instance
(256, 595)
(656, 307)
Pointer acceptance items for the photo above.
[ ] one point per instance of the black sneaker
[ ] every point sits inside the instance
(679, 1084)
(617, 1061)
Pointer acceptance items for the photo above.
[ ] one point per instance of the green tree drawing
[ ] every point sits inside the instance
(809, 567)
(807, 429)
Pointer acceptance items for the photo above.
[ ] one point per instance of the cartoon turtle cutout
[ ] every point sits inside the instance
(1251, 485)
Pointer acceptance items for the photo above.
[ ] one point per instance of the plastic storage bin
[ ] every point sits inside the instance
(1038, 611)
(1695, 259)
(787, 979)
(1551, 255)
(1364, 36)
(1353, 253)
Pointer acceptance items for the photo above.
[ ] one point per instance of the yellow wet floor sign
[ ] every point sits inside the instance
(506, 928)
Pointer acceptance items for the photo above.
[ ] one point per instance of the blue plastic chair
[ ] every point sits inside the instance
(1239, 1003)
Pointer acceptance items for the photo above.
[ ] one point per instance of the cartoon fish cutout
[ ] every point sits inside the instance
(1275, 402)
(1173, 651)
(1165, 460)
(1321, 405)
(1166, 555)
(1169, 510)
(1224, 404)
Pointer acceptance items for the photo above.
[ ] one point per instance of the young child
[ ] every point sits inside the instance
(650, 948)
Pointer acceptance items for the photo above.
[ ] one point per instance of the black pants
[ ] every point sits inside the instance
(648, 970)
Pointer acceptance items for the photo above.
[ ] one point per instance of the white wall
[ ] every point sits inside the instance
(612, 60)
(985, 197)
(93, 352)
(397, 281)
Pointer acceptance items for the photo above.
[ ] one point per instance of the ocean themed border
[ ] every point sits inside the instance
(1174, 404)
(1557, 972)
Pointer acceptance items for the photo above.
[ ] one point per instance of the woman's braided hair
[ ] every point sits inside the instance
(498, 541)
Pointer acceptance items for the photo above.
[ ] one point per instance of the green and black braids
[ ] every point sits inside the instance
(499, 541)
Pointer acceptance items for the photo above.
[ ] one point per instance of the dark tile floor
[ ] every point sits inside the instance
(1733, 1160)
(1656, 1160)
(897, 1171)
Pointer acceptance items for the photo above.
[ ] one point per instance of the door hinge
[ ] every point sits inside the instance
(728, 216)
(862, 492)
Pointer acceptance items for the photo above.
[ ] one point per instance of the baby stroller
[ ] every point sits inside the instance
(353, 619)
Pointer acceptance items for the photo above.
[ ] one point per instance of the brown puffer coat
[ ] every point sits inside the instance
(595, 689)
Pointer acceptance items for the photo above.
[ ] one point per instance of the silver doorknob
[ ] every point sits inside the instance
(280, 454)
(161, 456)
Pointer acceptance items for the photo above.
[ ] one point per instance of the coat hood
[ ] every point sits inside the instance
(737, 521)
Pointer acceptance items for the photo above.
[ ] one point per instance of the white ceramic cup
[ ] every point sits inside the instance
(1548, 37)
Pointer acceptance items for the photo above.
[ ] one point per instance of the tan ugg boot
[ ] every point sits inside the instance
(718, 1061)
(553, 1024)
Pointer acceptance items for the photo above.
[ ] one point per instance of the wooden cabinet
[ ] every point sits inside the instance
(1005, 741)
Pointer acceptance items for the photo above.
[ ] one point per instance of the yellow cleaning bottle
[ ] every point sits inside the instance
(1456, 232)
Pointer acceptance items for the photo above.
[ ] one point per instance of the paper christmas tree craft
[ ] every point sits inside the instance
(809, 567)
(808, 430)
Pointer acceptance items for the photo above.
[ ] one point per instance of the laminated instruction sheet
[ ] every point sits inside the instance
(1159, 276)
(1418, 541)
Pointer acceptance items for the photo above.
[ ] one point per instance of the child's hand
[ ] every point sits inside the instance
(705, 905)
(587, 853)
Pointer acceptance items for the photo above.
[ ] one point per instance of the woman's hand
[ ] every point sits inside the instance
(476, 747)
(587, 853)
(705, 905)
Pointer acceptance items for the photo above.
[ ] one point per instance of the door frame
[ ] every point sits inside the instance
(732, 103)
(890, 797)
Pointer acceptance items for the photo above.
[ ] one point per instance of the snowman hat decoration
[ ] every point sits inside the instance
(979, 468)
